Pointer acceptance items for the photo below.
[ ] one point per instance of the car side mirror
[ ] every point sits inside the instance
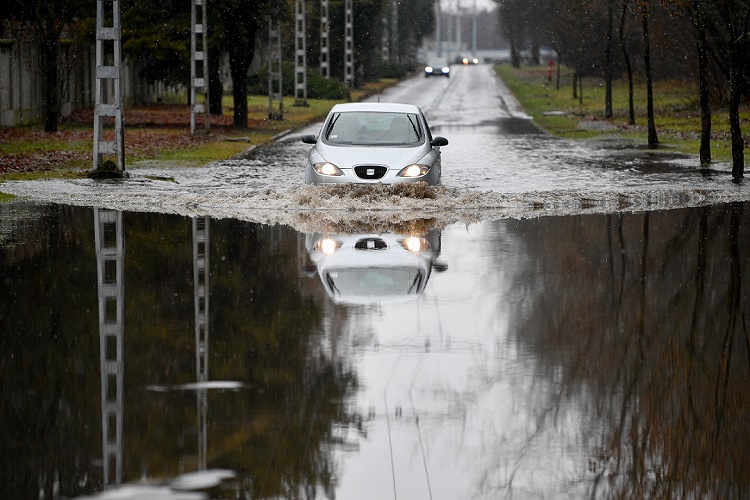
(439, 141)
(309, 139)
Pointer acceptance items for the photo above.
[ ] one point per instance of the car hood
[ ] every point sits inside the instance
(393, 157)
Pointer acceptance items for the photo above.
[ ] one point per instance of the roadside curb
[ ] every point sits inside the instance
(281, 135)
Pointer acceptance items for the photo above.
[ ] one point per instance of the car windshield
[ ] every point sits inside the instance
(374, 128)
(374, 282)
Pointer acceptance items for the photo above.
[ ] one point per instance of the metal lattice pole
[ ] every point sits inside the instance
(325, 50)
(110, 256)
(438, 29)
(394, 30)
(201, 287)
(348, 44)
(300, 55)
(385, 42)
(474, 30)
(199, 68)
(108, 50)
(275, 91)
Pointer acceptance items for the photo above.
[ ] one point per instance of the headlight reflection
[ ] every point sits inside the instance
(414, 244)
(327, 246)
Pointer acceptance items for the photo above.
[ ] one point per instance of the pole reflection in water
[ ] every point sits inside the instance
(110, 255)
(201, 286)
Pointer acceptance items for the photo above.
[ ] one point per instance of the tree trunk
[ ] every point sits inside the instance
(653, 140)
(559, 62)
(241, 29)
(215, 85)
(705, 105)
(735, 95)
(628, 65)
(735, 92)
(608, 63)
(240, 57)
(48, 54)
(515, 57)
(239, 93)
(536, 58)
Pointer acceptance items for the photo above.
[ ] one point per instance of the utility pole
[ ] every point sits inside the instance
(275, 91)
(395, 53)
(438, 29)
(449, 37)
(385, 42)
(348, 44)
(300, 55)
(474, 30)
(325, 50)
(110, 258)
(110, 52)
(199, 67)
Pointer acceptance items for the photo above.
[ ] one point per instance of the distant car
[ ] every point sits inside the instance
(473, 60)
(437, 71)
(374, 143)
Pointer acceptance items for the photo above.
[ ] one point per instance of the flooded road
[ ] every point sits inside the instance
(244, 360)
(498, 164)
(560, 320)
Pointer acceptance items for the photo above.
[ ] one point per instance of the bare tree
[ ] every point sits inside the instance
(49, 20)
(626, 58)
(608, 61)
(653, 139)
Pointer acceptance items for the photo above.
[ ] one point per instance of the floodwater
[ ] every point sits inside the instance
(561, 320)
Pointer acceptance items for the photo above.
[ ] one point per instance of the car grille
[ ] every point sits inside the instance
(370, 244)
(370, 171)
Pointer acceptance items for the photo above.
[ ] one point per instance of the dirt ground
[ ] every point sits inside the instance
(149, 131)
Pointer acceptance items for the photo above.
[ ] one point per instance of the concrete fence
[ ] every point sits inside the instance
(21, 96)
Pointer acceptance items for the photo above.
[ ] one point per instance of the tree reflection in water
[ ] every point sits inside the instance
(656, 349)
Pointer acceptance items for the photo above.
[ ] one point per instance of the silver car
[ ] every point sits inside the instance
(365, 143)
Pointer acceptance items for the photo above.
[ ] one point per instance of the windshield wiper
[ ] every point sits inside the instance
(330, 125)
(331, 284)
(416, 283)
(414, 126)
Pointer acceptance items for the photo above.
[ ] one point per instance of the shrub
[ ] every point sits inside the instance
(317, 86)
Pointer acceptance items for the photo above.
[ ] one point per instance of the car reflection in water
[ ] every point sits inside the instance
(372, 268)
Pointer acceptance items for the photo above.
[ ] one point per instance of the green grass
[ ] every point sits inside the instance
(677, 115)
(30, 140)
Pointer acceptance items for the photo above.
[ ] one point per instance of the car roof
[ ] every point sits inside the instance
(391, 107)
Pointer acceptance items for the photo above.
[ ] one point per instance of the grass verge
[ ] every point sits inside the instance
(676, 110)
(159, 132)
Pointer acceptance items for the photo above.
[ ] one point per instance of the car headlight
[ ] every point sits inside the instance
(414, 244)
(446, 70)
(327, 246)
(414, 170)
(428, 69)
(327, 168)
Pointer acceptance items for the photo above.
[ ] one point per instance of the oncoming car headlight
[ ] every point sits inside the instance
(327, 168)
(428, 69)
(414, 170)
